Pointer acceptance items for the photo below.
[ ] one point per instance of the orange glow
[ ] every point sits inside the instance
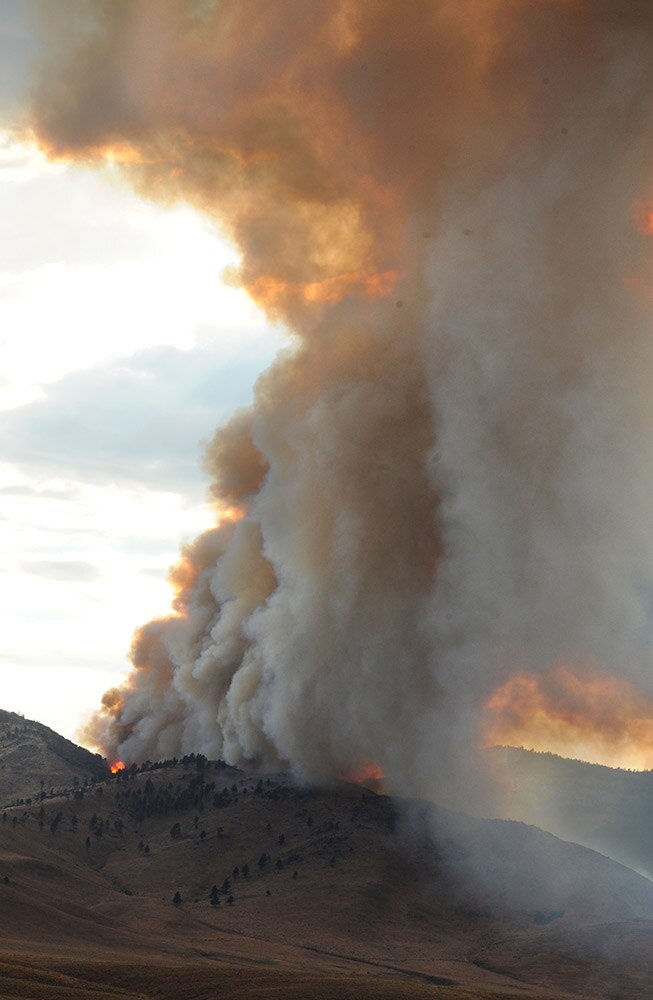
(642, 212)
(120, 154)
(368, 774)
(183, 575)
(232, 513)
(118, 766)
(641, 288)
(576, 712)
(269, 291)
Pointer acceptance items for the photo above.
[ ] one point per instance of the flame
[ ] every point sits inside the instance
(574, 712)
(368, 774)
(119, 765)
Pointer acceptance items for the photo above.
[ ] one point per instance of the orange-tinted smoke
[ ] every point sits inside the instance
(642, 212)
(199, 554)
(335, 141)
(310, 131)
(574, 712)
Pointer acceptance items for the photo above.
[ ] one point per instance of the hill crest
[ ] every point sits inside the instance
(35, 760)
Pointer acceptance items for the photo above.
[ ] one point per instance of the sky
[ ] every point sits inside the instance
(121, 350)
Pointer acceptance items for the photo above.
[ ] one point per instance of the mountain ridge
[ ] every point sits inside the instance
(36, 760)
(607, 809)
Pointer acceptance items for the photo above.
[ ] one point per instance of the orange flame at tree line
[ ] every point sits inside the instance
(118, 765)
(368, 774)
(575, 712)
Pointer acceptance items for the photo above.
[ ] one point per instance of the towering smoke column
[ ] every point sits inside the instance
(447, 479)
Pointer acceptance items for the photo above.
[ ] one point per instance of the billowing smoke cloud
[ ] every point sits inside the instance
(448, 477)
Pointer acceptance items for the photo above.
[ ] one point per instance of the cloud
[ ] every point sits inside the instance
(25, 491)
(62, 569)
(90, 272)
(135, 422)
(99, 237)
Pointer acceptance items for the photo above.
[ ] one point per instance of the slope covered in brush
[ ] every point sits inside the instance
(194, 869)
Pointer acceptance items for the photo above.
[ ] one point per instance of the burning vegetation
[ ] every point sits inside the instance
(369, 775)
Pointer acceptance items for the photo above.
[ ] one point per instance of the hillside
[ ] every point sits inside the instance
(608, 809)
(318, 893)
(35, 759)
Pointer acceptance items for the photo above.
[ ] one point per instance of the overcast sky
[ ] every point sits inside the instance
(121, 350)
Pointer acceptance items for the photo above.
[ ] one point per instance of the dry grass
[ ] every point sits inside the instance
(362, 918)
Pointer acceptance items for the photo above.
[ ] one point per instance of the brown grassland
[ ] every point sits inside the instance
(332, 895)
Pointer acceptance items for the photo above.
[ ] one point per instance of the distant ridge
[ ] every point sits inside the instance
(35, 759)
(607, 809)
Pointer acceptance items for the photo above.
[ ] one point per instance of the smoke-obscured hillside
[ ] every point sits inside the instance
(192, 876)
(608, 809)
(35, 759)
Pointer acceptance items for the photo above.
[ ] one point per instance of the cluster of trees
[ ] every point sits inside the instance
(214, 898)
(190, 795)
(152, 800)
(191, 760)
(242, 871)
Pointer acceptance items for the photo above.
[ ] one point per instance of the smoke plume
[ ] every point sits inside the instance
(447, 478)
